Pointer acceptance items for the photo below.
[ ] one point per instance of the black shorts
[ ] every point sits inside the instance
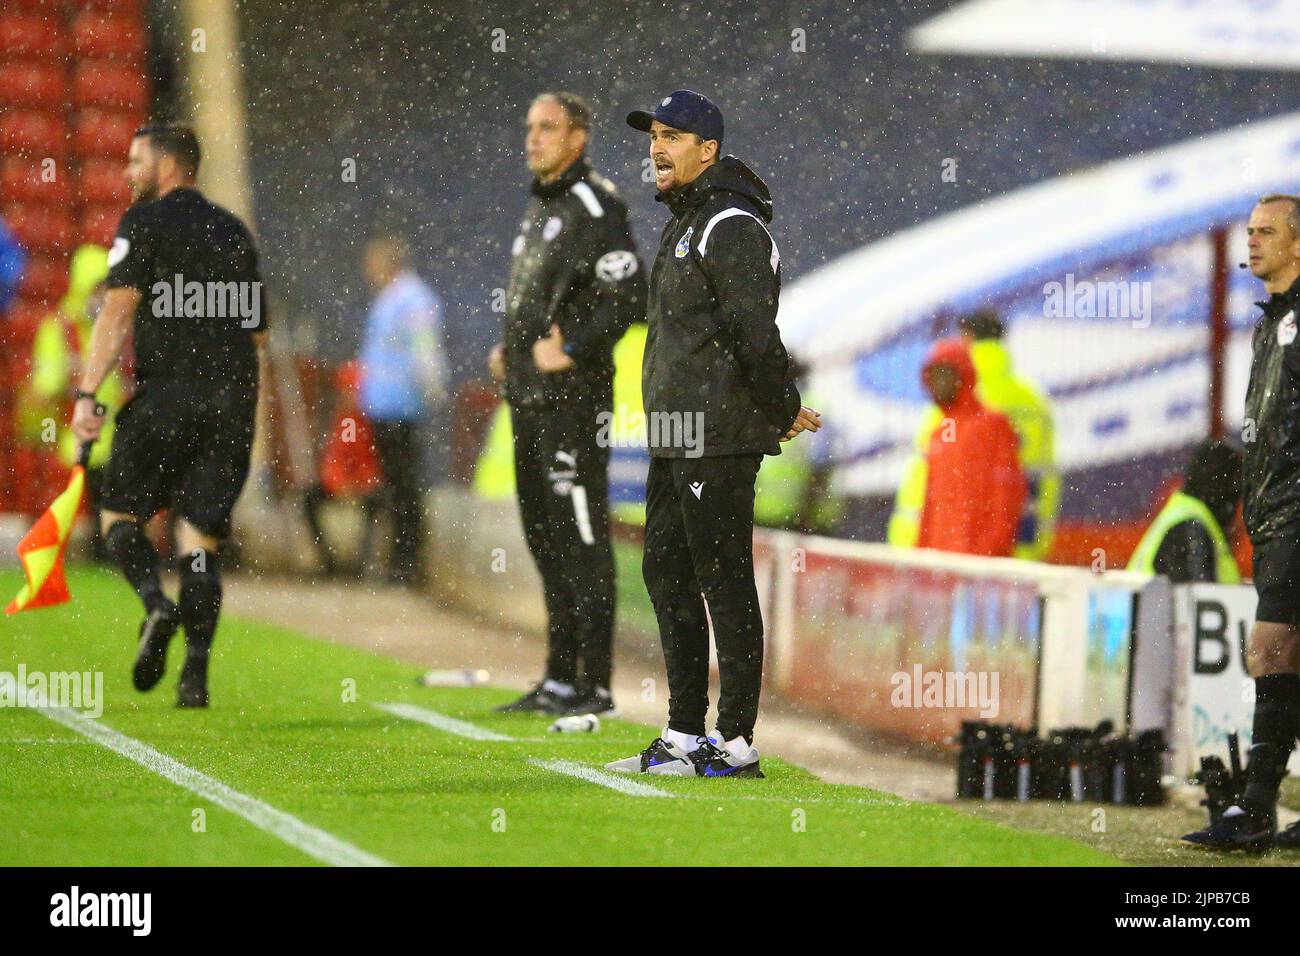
(183, 448)
(1276, 566)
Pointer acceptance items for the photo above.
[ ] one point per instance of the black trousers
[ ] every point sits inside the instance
(400, 458)
(699, 546)
(562, 479)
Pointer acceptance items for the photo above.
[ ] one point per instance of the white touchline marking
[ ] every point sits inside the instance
(633, 787)
(451, 725)
(303, 836)
(613, 781)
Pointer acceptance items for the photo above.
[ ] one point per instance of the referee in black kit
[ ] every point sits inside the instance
(185, 272)
(1271, 490)
(719, 395)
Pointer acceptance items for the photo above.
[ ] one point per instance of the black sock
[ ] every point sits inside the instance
(200, 598)
(1277, 717)
(131, 550)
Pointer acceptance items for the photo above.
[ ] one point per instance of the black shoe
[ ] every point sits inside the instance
(1288, 839)
(539, 700)
(1237, 829)
(156, 632)
(587, 699)
(715, 760)
(193, 688)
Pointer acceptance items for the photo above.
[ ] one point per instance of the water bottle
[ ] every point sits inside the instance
(457, 678)
(576, 724)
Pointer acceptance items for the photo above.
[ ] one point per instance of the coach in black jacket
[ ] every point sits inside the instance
(575, 286)
(719, 395)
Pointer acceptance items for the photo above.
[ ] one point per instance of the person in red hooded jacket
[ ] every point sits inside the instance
(349, 468)
(974, 487)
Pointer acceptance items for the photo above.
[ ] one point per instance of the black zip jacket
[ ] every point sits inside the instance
(714, 355)
(1271, 432)
(574, 263)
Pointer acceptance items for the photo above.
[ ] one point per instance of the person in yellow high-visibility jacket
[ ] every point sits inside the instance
(1186, 541)
(56, 347)
(61, 339)
(795, 490)
(999, 388)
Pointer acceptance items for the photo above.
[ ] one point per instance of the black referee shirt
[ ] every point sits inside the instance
(195, 267)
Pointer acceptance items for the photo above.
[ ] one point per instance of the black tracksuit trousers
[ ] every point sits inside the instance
(562, 479)
(699, 546)
(399, 455)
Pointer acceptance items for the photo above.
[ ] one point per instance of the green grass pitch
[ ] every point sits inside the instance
(284, 729)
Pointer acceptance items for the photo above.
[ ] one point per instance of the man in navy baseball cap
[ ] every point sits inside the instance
(713, 358)
(684, 111)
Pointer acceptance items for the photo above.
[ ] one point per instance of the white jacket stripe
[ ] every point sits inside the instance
(727, 214)
(588, 197)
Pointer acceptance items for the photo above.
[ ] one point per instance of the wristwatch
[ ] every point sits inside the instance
(100, 408)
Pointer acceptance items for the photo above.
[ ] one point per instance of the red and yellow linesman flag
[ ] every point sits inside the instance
(41, 549)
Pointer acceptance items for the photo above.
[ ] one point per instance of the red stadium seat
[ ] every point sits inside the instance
(32, 133)
(22, 315)
(103, 182)
(110, 84)
(44, 280)
(32, 85)
(100, 36)
(30, 34)
(98, 133)
(99, 224)
(24, 180)
(51, 8)
(41, 228)
(21, 321)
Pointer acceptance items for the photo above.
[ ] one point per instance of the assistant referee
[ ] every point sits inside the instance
(1271, 493)
(183, 272)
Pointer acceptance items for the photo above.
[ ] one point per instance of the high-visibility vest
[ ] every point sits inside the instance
(629, 458)
(45, 396)
(1000, 389)
(782, 484)
(1179, 508)
(494, 472)
(61, 337)
(88, 269)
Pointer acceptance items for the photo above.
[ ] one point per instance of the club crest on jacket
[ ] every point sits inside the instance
(684, 243)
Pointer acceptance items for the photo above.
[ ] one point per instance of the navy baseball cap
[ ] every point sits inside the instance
(684, 110)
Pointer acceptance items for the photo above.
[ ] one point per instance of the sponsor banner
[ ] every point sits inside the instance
(1110, 653)
(911, 652)
(1215, 696)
